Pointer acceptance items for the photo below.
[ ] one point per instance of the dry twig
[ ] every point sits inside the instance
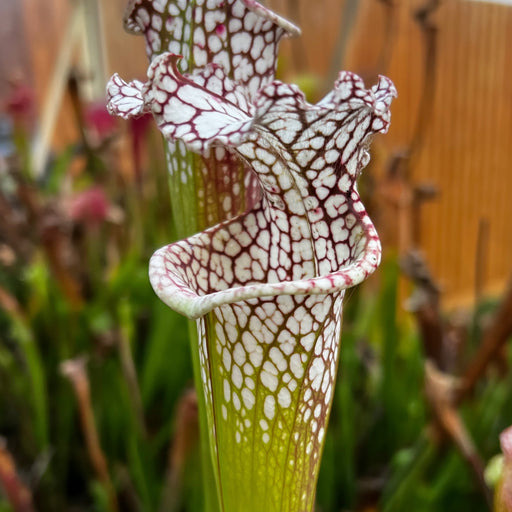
(74, 370)
(17, 494)
(494, 338)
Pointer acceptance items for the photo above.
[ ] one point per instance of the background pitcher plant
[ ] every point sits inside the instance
(243, 38)
(266, 282)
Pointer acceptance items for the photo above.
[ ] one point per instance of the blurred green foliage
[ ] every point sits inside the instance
(379, 450)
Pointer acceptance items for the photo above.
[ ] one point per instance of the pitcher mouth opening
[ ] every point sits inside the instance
(310, 234)
(176, 290)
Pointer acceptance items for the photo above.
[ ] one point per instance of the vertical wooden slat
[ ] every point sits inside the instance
(469, 145)
(125, 52)
(45, 26)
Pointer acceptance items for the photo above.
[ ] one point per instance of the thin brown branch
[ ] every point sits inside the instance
(494, 338)
(443, 391)
(424, 17)
(406, 159)
(402, 163)
(347, 23)
(75, 371)
(425, 304)
(17, 494)
(390, 31)
(185, 438)
(439, 388)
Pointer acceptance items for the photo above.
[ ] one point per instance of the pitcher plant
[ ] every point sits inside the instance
(270, 183)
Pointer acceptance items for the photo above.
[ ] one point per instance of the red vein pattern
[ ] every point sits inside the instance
(242, 37)
(267, 286)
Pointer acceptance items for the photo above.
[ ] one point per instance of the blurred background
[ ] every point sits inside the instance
(96, 407)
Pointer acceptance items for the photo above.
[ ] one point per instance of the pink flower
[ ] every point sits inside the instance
(20, 104)
(99, 123)
(90, 206)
